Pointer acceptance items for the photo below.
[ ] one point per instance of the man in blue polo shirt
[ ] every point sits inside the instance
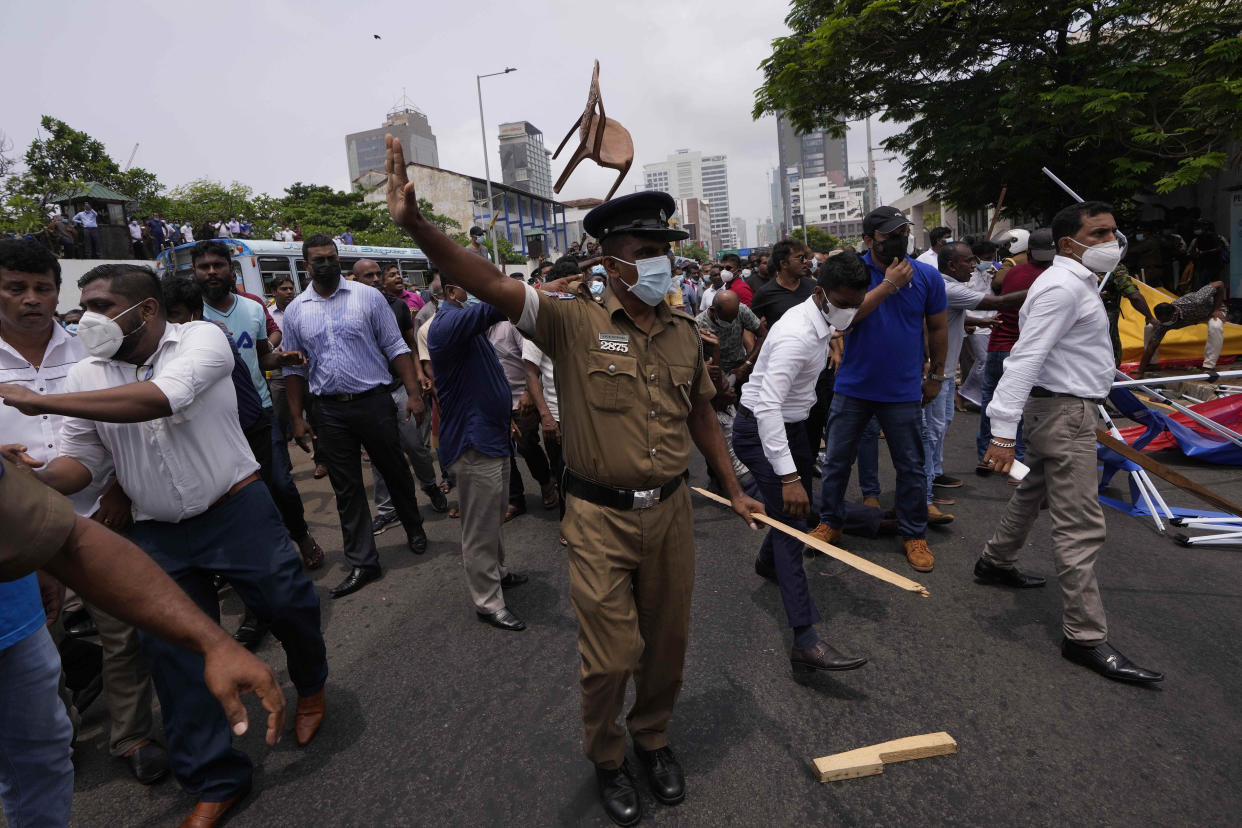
(882, 376)
(475, 415)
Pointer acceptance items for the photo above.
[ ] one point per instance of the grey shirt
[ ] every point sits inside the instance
(732, 351)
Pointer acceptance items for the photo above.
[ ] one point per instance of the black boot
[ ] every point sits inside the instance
(618, 795)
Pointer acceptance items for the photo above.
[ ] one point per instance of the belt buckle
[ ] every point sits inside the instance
(646, 498)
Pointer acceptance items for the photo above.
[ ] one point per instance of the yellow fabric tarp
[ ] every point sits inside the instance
(1186, 343)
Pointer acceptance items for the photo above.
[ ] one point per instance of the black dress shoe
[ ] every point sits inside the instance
(987, 572)
(80, 624)
(149, 763)
(357, 578)
(1105, 660)
(85, 697)
(503, 619)
(618, 795)
(250, 633)
(417, 541)
(513, 579)
(765, 570)
(439, 502)
(664, 774)
(822, 657)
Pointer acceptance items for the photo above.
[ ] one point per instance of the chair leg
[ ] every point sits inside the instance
(581, 153)
(565, 140)
(620, 178)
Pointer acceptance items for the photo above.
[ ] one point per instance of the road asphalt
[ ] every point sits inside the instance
(436, 719)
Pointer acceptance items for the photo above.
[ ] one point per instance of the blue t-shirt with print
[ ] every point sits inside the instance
(21, 608)
(884, 352)
(247, 325)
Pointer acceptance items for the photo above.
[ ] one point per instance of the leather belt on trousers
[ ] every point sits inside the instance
(614, 498)
(237, 487)
(370, 392)
(1040, 391)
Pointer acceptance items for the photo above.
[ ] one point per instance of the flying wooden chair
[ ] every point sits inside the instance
(600, 139)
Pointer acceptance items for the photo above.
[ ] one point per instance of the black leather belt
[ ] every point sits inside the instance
(370, 392)
(613, 498)
(744, 410)
(1040, 391)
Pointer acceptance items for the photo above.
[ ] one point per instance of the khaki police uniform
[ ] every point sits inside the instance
(36, 520)
(625, 396)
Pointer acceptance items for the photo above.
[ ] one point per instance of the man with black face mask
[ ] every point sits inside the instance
(350, 375)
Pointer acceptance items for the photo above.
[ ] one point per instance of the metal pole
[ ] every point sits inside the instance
(487, 168)
(802, 202)
(1063, 185)
(870, 170)
(1164, 380)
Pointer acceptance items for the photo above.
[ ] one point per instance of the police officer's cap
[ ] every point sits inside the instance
(646, 213)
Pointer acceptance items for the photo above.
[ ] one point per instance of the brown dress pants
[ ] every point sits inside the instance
(631, 574)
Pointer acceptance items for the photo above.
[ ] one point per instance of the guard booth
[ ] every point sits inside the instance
(535, 247)
(112, 208)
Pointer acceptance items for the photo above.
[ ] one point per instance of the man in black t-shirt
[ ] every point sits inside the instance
(793, 284)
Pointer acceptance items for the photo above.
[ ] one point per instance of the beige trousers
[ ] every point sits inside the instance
(1060, 449)
(631, 574)
(1211, 351)
(483, 496)
(126, 684)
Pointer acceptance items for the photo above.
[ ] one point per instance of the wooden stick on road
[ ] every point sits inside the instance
(1165, 473)
(869, 761)
(861, 564)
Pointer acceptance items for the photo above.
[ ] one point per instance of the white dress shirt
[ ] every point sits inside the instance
(930, 257)
(175, 467)
(961, 297)
(41, 433)
(547, 374)
(1064, 345)
(781, 389)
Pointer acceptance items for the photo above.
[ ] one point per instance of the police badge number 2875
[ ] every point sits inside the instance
(616, 343)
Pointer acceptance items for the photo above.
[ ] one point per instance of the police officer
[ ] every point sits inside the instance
(633, 392)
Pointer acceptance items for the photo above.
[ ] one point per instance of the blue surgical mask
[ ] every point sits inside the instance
(471, 299)
(597, 287)
(654, 274)
(71, 327)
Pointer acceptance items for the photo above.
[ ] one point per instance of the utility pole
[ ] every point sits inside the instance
(871, 188)
(487, 169)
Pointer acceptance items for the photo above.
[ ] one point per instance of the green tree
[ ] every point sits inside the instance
(693, 250)
(818, 239)
(1117, 96)
(204, 200)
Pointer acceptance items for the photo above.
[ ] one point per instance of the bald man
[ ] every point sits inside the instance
(738, 330)
(367, 271)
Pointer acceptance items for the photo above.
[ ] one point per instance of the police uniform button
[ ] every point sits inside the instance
(653, 413)
(653, 452)
(612, 369)
(652, 377)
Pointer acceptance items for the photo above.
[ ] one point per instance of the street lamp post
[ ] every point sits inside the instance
(487, 168)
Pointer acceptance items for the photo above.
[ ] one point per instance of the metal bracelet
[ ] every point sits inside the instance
(999, 444)
(797, 479)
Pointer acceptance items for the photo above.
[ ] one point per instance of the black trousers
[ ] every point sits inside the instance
(818, 418)
(532, 452)
(278, 482)
(344, 428)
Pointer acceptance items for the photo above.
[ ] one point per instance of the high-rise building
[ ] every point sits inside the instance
(524, 163)
(778, 202)
(365, 150)
(838, 210)
(739, 232)
(767, 234)
(690, 174)
(813, 154)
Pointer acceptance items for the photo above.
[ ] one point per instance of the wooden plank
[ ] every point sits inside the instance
(1165, 473)
(869, 761)
(861, 564)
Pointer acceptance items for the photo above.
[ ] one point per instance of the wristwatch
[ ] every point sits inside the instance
(938, 377)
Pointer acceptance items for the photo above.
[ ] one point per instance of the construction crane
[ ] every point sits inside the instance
(131, 159)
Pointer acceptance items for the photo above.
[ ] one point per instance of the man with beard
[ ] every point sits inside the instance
(246, 323)
(156, 399)
(350, 338)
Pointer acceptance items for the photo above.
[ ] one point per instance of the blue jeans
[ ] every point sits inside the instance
(991, 377)
(868, 459)
(903, 431)
(244, 540)
(778, 549)
(937, 415)
(36, 774)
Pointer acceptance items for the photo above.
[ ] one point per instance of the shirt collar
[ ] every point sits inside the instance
(613, 305)
(822, 329)
(314, 296)
(60, 338)
(1076, 267)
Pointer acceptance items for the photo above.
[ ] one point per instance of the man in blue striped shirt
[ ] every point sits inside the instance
(349, 337)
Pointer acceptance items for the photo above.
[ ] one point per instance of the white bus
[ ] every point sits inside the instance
(257, 262)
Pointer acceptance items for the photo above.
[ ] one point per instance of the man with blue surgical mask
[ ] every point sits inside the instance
(634, 392)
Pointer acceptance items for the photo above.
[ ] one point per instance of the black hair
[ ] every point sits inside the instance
(277, 281)
(317, 240)
(1068, 221)
(210, 247)
(565, 266)
(732, 257)
(984, 247)
(939, 233)
(1163, 309)
(844, 270)
(950, 254)
(543, 263)
(781, 251)
(135, 282)
(181, 291)
(22, 256)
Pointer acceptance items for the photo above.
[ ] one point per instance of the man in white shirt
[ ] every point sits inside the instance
(187, 233)
(1064, 362)
(770, 437)
(956, 264)
(157, 400)
(940, 236)
(135, 239)
(234, 228)
(37, 353)
(287, 235)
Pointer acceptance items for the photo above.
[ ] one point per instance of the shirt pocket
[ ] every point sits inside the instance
(612, 381)
(682, 381)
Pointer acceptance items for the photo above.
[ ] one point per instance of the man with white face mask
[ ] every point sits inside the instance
(1063, 362)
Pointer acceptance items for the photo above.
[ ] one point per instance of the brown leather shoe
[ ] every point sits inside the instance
(826, 533)
(873, 502)
(321, 471)
(919, 556)
(209, 814)
(936, 517)
(308, 718)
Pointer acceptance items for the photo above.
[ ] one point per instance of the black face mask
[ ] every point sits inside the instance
(892, 248)
(326, 271)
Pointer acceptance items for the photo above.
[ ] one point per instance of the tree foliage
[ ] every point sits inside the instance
(1116, 96)
(818, 239)
(693, 250)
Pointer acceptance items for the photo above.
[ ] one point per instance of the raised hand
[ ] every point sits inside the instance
(900, 272)
(402, 201)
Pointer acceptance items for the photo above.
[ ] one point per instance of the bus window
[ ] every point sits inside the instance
(269, 268)
(415, 272)
(347, 265)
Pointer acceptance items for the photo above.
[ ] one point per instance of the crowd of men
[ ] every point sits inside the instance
(164, 411)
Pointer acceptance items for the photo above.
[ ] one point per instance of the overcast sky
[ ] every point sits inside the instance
(264, 91)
